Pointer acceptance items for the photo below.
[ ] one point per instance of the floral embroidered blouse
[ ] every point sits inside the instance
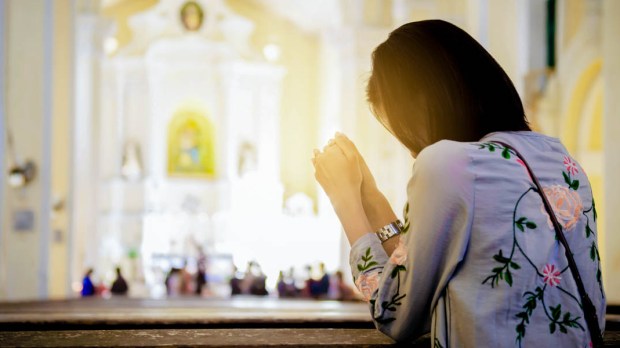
(478, 264)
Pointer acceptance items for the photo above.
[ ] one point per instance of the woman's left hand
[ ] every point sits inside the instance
(338, 173)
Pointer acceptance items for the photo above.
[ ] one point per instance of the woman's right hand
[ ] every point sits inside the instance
(369, 185)
(376, 206)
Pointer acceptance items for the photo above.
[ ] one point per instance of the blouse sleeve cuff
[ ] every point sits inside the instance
(367, 255)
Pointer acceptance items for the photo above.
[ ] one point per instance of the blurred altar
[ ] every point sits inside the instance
(188, 157)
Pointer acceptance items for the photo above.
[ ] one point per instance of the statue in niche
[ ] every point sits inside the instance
(247, 158)
(131, 168)
(191, 145)
(192, 16)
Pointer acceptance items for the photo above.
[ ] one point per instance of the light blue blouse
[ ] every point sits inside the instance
(478, 264)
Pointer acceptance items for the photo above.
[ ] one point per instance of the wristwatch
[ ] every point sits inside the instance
(390, 230)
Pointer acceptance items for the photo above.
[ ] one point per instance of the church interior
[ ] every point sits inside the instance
(170, 140)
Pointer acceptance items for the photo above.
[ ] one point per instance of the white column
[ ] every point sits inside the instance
(330, 115)
(45, 172)
(3, 264)
(25, 253)
(504, 37)
(478, 20)
(84, 177)
(62, 102)
(333, 45)
(611, 142)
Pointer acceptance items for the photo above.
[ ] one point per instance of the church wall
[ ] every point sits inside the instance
(62, 116)
(38, 98)
(503, 37)
(3, 163)
(25, 60)
(611, 142)
(572, 13)
(299, 107)
(120, 11)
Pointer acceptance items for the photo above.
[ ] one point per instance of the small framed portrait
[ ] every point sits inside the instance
(192, 16)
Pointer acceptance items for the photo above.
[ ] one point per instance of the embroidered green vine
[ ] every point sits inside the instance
(368, 262)
(506, 152)
(532, 298)
(567, 321)
(594, 253)
(502, 272)
(390, 306)
(406, 218)
(528, 306)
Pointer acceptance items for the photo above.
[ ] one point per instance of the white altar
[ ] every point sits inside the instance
(188, 152)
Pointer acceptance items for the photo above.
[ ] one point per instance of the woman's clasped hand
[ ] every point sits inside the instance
(337, 169)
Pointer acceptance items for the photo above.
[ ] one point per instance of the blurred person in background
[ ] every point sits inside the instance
(119, 286)
(88, 288)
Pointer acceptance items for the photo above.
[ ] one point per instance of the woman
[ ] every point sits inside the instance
(476, 262)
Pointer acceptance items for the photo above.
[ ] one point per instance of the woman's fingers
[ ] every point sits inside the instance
(315, 154)
(344, 139)
(346, 145)
(329, 145)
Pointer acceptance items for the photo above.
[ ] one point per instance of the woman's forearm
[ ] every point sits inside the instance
(352, 217)
(378, 210)
(379, 213)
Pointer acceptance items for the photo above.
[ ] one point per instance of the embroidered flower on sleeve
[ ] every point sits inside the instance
(566, 205)
(399, 255)
(367, 283)
(551, 275)
(571, 166)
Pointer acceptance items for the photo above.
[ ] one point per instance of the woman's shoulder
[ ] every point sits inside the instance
(445, 155)
(447, 163)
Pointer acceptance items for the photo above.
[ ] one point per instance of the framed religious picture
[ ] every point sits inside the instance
(192, 16)
(191, 145)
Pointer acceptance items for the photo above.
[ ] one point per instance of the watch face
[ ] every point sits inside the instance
(192, 16)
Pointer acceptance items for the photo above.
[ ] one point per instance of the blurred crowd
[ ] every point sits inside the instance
(118, 287)
(317, 283)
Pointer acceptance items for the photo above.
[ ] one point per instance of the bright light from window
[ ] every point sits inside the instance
(110, 45)
(272, 52)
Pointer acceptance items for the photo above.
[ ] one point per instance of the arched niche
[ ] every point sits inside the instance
(576, 104)
(582, 133)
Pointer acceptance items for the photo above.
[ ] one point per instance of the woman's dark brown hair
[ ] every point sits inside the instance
(433, 81)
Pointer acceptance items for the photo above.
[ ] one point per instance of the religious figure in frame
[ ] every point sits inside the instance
(192, 16)
(191, 151)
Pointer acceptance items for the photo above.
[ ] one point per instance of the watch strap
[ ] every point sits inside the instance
(390, 230)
